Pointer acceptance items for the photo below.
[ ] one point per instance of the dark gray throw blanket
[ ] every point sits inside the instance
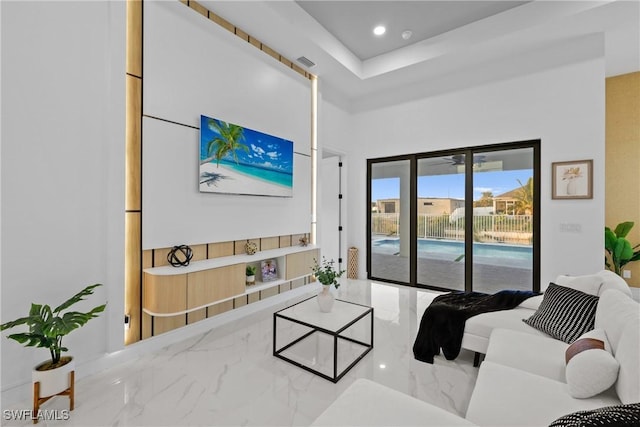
(442, 324)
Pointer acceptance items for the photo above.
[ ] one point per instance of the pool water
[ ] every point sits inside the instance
(439, 248)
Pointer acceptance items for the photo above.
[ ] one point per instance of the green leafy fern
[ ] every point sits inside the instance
(325, 273)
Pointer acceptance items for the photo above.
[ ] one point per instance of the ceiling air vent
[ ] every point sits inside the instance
(306, 62)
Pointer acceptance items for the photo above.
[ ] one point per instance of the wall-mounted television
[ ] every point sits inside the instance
(239, 160)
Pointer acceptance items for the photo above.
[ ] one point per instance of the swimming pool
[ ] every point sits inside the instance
(450, 249)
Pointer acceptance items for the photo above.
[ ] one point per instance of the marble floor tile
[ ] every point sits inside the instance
(229, 377)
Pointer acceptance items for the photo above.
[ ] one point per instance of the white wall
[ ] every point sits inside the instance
(62, 170)
(192, 67)
(564, 107)
(335, 130)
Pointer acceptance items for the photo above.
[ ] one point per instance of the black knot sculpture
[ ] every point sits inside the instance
(180, 256)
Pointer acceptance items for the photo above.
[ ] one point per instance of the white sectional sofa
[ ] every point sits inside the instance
(478, 328)
(523, 379)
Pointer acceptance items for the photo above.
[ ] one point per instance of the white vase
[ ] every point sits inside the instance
(251, 280)
(325, 299)
(571, 187)
(53, 381)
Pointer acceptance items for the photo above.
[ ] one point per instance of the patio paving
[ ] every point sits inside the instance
(450, 274)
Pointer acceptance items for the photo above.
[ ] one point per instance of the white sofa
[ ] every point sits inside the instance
(522, 380)
(478, 328)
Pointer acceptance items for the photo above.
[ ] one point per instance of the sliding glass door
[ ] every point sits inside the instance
(390, 189)
(440, 238)
(503, 210)
(463, 219)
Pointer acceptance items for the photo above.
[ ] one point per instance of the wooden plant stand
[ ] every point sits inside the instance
(37, 400)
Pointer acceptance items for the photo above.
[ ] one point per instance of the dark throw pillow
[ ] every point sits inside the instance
(612, 416)
(564, 313)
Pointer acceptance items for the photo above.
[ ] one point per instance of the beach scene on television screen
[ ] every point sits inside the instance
(239, 160)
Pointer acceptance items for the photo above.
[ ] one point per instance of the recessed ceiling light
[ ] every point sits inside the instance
(406, 34)
(379, 30)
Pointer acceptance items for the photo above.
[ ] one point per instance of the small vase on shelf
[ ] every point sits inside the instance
(250, 247)
(325, 299)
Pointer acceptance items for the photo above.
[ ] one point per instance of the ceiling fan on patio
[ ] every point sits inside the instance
(459, 159)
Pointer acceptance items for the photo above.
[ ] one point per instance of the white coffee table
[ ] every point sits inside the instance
(326, 344)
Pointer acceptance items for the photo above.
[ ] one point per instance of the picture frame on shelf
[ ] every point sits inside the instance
(572, 180)
(269, 270)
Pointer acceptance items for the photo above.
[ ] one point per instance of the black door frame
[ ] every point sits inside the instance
(469, 153)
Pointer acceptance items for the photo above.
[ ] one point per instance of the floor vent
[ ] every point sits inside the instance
(306, 62)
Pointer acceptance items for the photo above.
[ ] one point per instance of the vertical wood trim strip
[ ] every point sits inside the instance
(133, 174)
(133, 143)
(134, 38)
(132, 278)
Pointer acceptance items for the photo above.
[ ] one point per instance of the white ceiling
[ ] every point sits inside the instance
(352, 22)
(455, 44)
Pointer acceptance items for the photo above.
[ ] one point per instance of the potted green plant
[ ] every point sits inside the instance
(47, 327)
(327, 275)
(251, 274)
(619, 251)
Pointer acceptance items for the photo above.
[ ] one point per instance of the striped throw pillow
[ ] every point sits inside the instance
(618, 416)
(564, 313)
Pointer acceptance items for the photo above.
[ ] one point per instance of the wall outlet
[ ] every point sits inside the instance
(626, 274)
(570, 228)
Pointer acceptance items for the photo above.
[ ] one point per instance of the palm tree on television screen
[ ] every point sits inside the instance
(229, 140)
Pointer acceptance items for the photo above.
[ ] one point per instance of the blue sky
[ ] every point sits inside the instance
(452, 186)
(265, 150)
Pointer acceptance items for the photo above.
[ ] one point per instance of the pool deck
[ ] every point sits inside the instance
(450, 274)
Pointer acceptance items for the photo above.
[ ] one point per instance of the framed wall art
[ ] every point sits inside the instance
(239, 160)
(572, 180)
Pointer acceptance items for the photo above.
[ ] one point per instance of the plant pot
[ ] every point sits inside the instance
(53, 381)
(251, 280)
(325, 299)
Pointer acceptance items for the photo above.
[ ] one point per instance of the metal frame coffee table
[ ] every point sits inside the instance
(342, 317)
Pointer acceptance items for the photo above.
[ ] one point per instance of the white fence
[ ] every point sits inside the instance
(516, 229)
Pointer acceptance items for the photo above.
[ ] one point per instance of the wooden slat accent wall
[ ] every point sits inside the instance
(199, 8)
(220, 308)
(267, 243)
(220, 249)
(199, 252)
(285, 241)
(135, 258)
